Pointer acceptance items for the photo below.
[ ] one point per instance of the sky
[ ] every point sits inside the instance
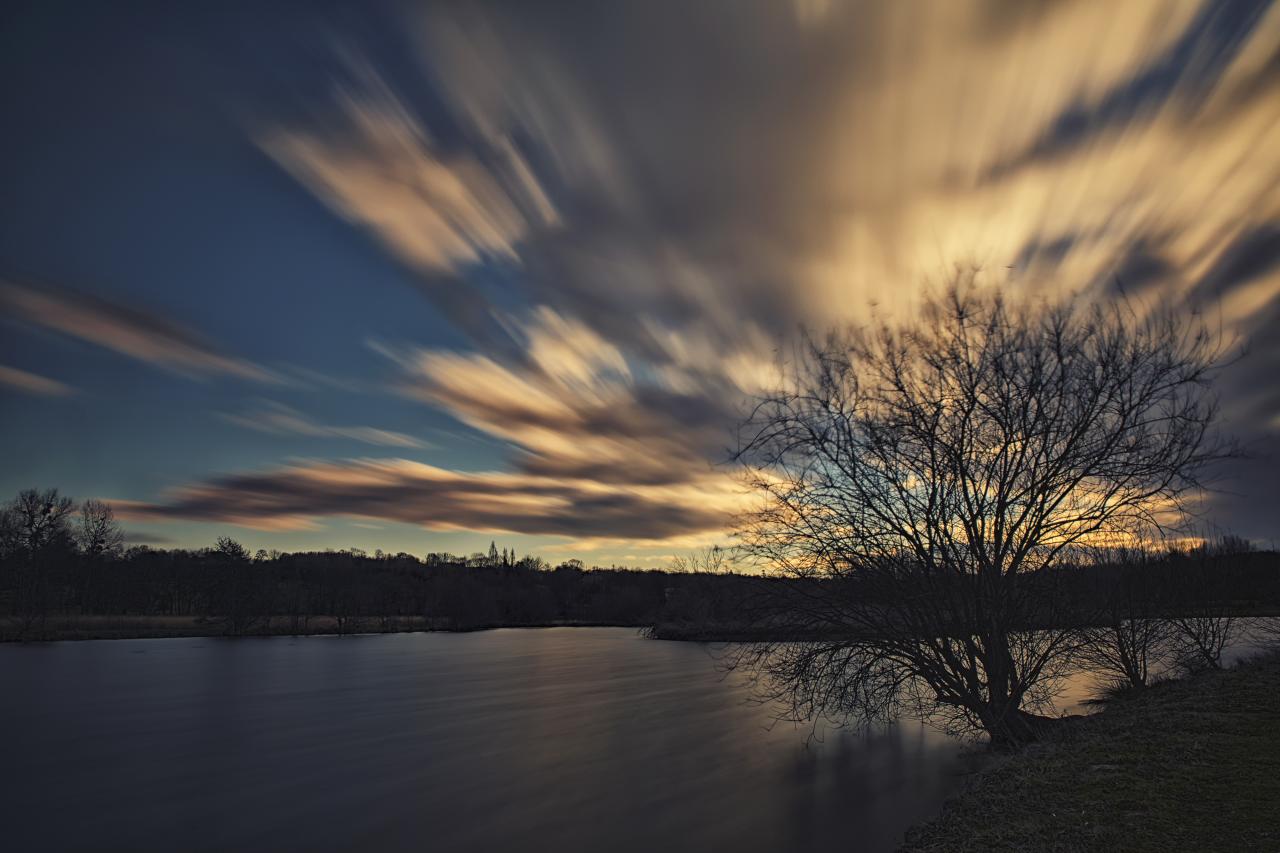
(420, 276)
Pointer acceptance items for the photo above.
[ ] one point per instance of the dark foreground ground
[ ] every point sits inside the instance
(1188, 765)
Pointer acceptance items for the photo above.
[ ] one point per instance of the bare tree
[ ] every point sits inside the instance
(36, 535)
(1132, 640)
(98, 534)
(1201, 638)
(40, 520)
(1267, 633)
(713, 560)
(1206, 623)
(100, 538)
(922, 483)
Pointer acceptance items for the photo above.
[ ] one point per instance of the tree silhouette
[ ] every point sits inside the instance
(38, 521)
(239, 598)
(36, 536)
(98, 534)
(100, 540)
(924, 483)
(1132, 639)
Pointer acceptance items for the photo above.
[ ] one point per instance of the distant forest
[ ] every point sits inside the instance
(60, 560)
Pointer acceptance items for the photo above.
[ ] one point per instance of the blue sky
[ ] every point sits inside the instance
(419, 276)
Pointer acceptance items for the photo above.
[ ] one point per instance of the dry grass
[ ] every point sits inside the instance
(1187, 765)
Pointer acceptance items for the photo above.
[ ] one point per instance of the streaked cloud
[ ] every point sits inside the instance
(32, 383)
(279, 419)
(376, 164)
(130, 331)
(879, 145)
(380, 167)
(626, 229)
(670, 226)
(574, 408)
(602, 455)
(293, 497)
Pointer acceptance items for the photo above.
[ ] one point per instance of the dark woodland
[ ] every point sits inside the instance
(61, 562)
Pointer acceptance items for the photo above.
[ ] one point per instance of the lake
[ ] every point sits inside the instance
(573, 739)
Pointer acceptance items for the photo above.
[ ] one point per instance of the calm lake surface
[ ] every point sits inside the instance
(575, 739)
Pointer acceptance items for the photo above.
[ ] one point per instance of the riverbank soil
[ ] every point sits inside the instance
(1183, 765)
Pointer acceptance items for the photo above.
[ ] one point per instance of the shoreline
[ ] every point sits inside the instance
(89, 628)
(66, 628)
(1187, 764)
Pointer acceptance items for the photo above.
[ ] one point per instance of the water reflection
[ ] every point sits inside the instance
(1074, 695)
(573, 739)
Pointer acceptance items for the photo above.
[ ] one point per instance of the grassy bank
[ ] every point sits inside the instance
(1186, 765)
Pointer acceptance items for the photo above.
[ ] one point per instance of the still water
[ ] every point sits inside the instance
(576, 739)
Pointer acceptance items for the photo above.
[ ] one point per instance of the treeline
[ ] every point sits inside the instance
(59, 559)
(1210, 586)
